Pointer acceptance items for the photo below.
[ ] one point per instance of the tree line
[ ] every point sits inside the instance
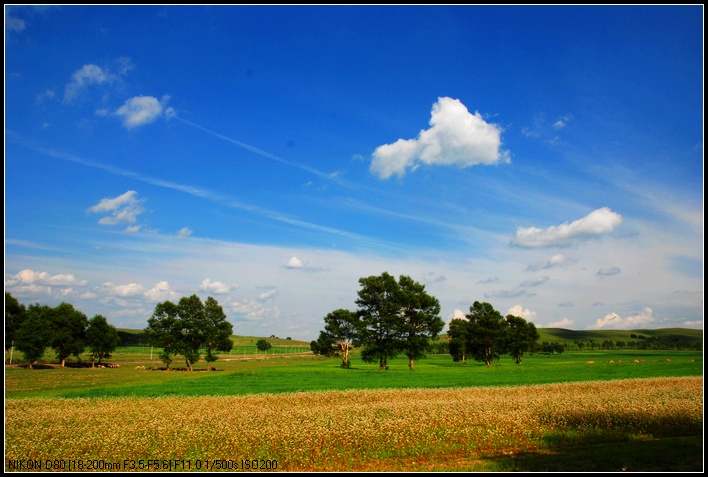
(184, 328)
(399, 316)
(34, 328)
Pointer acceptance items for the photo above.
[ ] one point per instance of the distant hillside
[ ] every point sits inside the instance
(564, 336)
(132, 337)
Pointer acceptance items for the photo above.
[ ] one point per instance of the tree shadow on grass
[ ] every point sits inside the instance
(671, 454)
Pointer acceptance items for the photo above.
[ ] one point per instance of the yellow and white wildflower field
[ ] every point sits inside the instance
(339, 430)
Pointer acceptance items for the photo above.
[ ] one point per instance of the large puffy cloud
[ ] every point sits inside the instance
(141, 110)
(30, 277)
(599, 222)
(122, 209)
(455, 137)
(42, 283)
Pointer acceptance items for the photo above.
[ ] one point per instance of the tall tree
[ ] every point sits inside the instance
(458, 333)
(33, 336)
(164, 331)
(101, 338)
(487, 332)
(217, 331)
(382, 320)
(421, 320)
(340, 334)
(193, 323)
(68, 327)
(521, 337)
(15, 313)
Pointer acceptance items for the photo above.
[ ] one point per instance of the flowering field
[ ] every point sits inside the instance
(370, 430)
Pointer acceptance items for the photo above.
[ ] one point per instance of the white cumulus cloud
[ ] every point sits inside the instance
(599, 222)
(140, 110)
(525, 313)
(615, 321)
(564, 323)
(214, 287)
(30, 277)
(295, 262)
(456, 137)
(161, 292)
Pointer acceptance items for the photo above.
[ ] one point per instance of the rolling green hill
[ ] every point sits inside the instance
(564, 336)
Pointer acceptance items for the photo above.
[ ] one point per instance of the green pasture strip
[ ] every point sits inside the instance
(282, 374)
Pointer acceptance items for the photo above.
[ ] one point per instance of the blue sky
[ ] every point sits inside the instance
(547, 160)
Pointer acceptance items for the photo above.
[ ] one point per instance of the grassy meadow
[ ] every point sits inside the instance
(578, 411)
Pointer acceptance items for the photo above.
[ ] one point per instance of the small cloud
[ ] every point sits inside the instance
(505, 294)
(130, 289)
(564, 323)
(184, 232)
(489, 280)
(252, 310)
(123, 209)
(161, 292)
(554, 261)
(294, 262)
(83, 78)
(535, 282)
(615, 321)
(270, 293)
(14, 24)
(458, 315)
(525, 313)
(597, 223)
(607, 272)
(455, 138)
(140, 110)
(214, 286)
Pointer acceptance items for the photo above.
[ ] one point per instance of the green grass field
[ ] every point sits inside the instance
(590, 411)
(279, 373)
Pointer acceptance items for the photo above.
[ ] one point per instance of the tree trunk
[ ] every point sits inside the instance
(410, 364)
(62, 362)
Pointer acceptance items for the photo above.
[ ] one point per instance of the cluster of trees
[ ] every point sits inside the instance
(34, 328)
(187, 327)
(394, 316)
(485, 334)
(399, 316)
